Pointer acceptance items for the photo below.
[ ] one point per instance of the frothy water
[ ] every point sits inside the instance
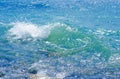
(59, 39)
(24, 30)
(68, 51)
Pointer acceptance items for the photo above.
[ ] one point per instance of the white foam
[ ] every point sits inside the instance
(100, 31)
(60, 75)
(23, 30)
(114, 59)
(69, 29)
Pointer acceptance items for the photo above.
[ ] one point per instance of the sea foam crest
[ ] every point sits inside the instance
(24, 30)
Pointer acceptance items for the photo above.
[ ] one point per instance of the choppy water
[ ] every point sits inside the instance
(61, 39)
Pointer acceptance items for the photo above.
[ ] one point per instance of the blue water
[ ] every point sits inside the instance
(61, 39)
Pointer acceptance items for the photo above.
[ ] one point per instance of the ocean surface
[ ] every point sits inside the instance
(60, 39)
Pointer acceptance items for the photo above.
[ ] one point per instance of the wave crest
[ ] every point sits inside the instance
(24, 30)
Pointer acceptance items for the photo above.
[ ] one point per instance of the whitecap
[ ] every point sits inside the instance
(24, 30)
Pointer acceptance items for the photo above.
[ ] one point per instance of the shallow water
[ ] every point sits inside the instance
(61, 39)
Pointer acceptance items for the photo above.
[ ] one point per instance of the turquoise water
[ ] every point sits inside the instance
(61, 39)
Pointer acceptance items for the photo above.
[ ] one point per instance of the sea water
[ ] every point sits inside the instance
(61, 39)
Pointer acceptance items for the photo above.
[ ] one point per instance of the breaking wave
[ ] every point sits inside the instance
(64, 40)
(24, 30)
(68, 50)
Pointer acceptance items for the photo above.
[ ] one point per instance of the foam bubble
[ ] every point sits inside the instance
(23, 30)
(114, 59)
(100, 31)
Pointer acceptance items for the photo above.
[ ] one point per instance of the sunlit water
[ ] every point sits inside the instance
(61, 39)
